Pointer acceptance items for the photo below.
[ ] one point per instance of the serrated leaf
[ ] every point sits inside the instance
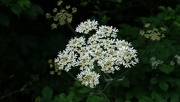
(154, 80)
(163, 85)
(166, 68)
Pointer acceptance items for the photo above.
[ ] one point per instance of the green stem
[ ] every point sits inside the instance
(146, 49)
(14, 92)
(105, 96)
(107, 79)
(71, 75)
(106, 86)
(70, 27)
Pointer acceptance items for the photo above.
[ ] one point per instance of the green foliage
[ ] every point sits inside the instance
(93, 98)
(47, 94)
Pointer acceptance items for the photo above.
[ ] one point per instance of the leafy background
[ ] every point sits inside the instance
(27, 43)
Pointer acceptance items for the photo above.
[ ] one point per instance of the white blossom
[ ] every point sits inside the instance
(76, 43)
(87, 26)
(155, 63)
(66, 60)
(101, 50)
(88, 78)
(177, 59)
(107, 31)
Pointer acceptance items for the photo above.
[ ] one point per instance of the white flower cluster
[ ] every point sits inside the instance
(177, 59)
(101, 51)
(155, 63)
(154, 34)
(87, 26)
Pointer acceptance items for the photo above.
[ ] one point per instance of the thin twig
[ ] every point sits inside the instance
(14, 92)
(146, 49)
(105, 96)
(106, 86)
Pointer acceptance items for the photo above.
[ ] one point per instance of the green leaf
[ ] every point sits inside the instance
(38, 99)
(24, 3)
(166, 68)
(163, 85)
(34, 11)
(70, 96)
(145, 99)
(154, 80)
(158, 97)
(174, 97)
(83, 90)
(177, 81)
(16, 9)
(4, 20)
(60, 98)
(162, 8)
(47, 94)
(94, 98)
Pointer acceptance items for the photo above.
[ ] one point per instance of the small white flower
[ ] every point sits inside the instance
(76, 43)
(84, 61)
(172, 63)
(177, 59)
(94, 39)
(86, 26)
(147, 25)
(107, 64)
(155, 63)
(107, 31)
(88, 78)
(66, 60)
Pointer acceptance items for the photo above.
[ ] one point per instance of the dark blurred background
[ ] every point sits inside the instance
(27, 41)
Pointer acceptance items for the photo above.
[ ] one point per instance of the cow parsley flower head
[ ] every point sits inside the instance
(154, 34)
(102, 51)
(76, 43)
(66, 60)
(87, 26)
(88, 78)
